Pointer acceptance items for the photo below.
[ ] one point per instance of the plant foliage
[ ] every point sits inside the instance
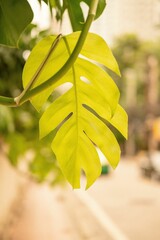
(78, 113)
(13, 20)
(81, 117)
(74, 10)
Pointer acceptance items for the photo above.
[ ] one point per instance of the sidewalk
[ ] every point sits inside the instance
(51, 214)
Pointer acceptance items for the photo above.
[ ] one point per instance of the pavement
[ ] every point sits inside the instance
(42, 213)
(131, 201)
(119, 206)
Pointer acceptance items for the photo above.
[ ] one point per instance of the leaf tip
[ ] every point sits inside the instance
(117, 70)
(41, 132)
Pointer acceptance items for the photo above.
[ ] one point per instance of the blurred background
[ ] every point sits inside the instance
(123, 204)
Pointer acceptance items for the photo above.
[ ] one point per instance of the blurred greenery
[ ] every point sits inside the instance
(132, 53)
(19, 126)
(139, 85)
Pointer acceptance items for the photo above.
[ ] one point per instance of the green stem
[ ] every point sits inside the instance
(93, 7)
(6, 101)
(72, 58)
(39, 70)
(28, 94)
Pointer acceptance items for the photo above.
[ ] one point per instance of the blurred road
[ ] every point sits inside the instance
(120, 206)
(131, 201)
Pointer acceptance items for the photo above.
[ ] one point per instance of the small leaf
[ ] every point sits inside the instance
(76, 11)
(15, 15)
(100, 8)
(75, 14)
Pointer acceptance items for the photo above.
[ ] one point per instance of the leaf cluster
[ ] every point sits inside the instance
(74, 9)
(79, 119)
(16, 15)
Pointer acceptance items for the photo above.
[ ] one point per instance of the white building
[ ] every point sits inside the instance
(141, 17)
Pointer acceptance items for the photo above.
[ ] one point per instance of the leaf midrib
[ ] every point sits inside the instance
(76, 102)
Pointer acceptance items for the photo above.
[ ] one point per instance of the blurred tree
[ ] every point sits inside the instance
(140, 85)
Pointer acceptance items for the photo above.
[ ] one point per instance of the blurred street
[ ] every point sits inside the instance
(120, 206)
(131, 201)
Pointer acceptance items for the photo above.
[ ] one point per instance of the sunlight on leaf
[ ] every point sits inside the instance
(54, 63)
(78, 114)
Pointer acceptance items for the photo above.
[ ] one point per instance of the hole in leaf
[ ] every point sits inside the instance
(85, 80)
(64, 120)
(64, 87)
(26, 54)
(83, 179)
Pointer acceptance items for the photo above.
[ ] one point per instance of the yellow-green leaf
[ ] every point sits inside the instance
(53, 64)
(95, 48)
(78, 114)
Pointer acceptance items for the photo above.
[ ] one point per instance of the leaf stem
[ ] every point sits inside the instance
(7, 101)
(93, 7)
(39, 70)
(28, 92)
(72, 58)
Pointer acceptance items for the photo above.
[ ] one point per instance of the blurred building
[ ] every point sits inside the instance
(141, 17)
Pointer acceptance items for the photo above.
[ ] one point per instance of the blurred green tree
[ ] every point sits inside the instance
(140, 85)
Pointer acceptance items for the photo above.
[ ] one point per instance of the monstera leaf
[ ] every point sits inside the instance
(80, 114)
(15, 15)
